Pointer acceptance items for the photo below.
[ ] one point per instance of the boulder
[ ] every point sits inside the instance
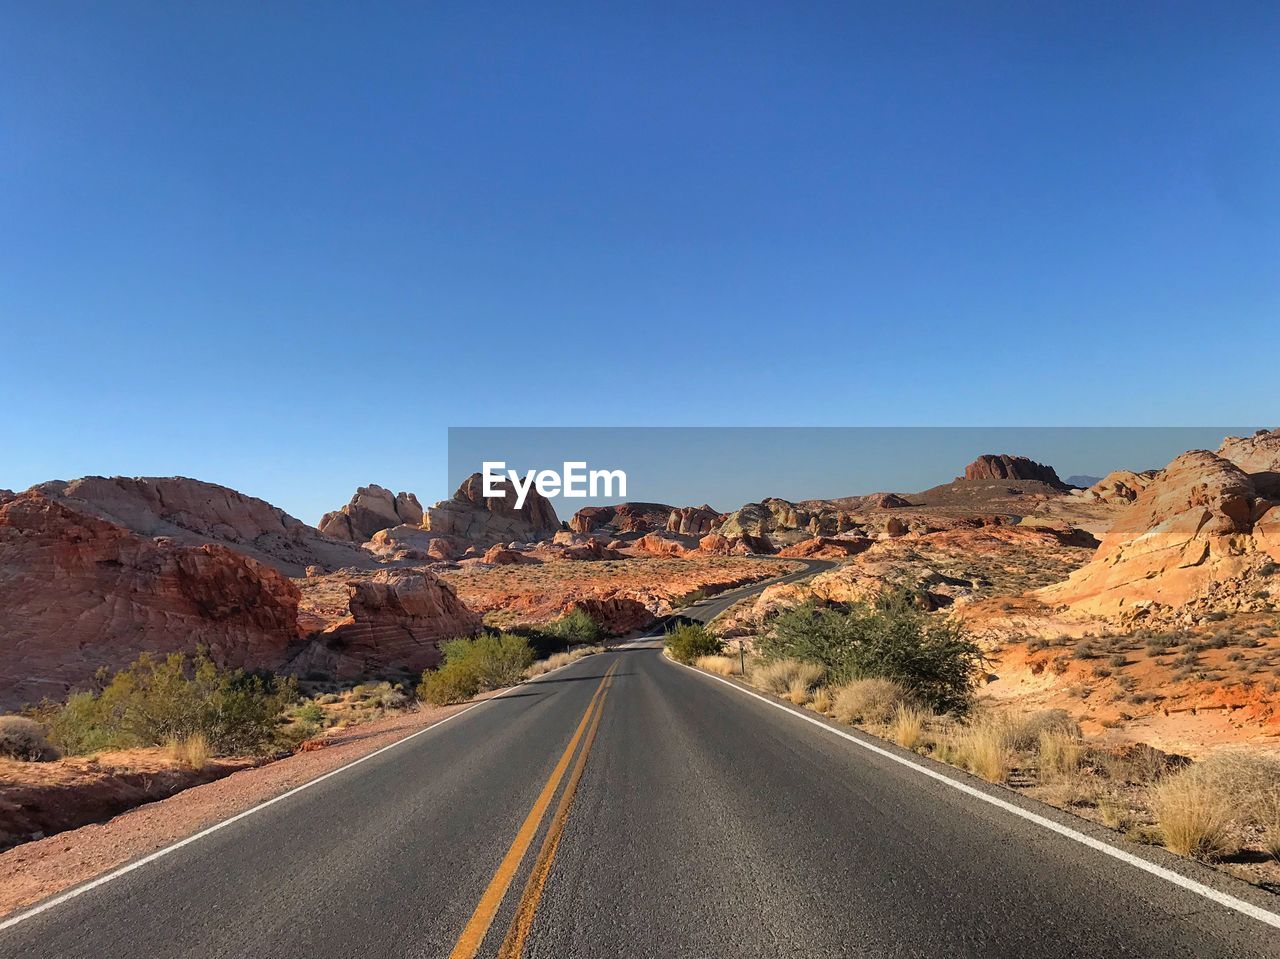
(506, 556)
(371, 510)
(718, 544)
(79, 593)
(660, 544)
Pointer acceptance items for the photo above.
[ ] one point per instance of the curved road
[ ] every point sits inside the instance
(628, 807)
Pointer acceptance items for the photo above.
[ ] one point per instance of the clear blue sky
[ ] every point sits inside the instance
(284, 246)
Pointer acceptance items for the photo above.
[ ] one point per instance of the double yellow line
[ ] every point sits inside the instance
(478, 926)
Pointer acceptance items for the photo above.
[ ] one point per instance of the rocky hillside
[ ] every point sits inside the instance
(193, 513)
(371, 510)
(622, 518)
(78, 593)
(1201, 523)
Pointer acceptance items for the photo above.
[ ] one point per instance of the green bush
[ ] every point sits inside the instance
(474, 665)
(454, 682)
(931, 657)
(576, 627)
(688, 641)
(158, 700)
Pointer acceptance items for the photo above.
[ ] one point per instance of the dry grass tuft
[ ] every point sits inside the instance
(556, 660)
(1061, 753)
(907, 726)
(779, 676)
(721, 665)
(190, 751)
(869, 701)
(1193, 810)
(822, 700)
(984, 749)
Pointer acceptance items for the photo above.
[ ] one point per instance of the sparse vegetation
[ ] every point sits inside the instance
(191, 751)
(159, 700)
(557, 660)
(475, 665)
(721, 665)
(892, 638)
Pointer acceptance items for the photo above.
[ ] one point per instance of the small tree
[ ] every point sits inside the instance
(688, 641)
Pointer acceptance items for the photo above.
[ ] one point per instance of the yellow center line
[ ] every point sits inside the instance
(522, 921)
(478, 926)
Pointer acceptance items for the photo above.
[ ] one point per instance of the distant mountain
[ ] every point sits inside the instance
(1083, 481)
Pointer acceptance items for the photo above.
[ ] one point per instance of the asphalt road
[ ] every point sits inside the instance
(629, 807)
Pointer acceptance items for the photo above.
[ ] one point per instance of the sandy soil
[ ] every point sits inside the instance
(36, 870)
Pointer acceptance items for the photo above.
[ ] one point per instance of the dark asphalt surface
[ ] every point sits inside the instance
(706, 824)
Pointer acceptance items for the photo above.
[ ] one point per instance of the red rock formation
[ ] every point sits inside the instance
(826, 548)
(622, 518)
(616, 615)
(371, 510)
(1259, 453)
(78, 593)
(1120, 486)
(474, 518)
(660, 544)
(717, 544)
(991, 466)
(693, 520)
(397, 621)
(504, 556)
(192, 512)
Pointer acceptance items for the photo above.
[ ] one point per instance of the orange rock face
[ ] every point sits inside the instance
(693, 520)
(397, 620)
(623, 518)
(717, 544)
(192, 512)
(78, 593)
(1201, 521)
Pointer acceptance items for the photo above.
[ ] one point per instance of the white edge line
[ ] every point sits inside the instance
(1200, 889)
(174, 847)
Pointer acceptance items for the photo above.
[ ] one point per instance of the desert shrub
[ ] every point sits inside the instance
(723, 665)
(869, 700)
(1193, 812)
(454, 682)
(494, 659)
(688, 641)
(24, 739)
(576, 626)
(1253, 781)
(1024, 730)
(932, 657)
(157, 700)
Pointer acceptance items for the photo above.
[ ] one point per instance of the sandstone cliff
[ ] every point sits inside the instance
(78, 593)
